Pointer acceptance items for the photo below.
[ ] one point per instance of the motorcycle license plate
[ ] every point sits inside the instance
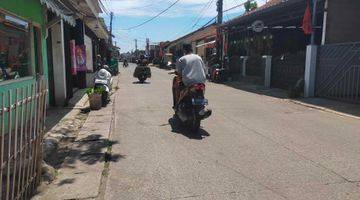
(199, 102)
(98, 81)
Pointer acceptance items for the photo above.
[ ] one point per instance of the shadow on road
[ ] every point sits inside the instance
(88, 151)
(138, 82)
(338, 106)
(258, 89)
(176, 127)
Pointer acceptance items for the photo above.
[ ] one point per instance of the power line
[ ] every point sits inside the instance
(207, 23)
(200, 17)
(214, 18)
(149, 20)
(234, 7)
(141, 7)
(197, 18)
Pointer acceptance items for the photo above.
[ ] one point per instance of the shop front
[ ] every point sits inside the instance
(273, 31)
(23, 82)
(22, 43)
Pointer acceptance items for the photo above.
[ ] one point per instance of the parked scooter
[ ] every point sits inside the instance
(103, 81)
(191, 106)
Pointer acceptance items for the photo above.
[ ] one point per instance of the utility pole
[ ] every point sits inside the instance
(314, 22)
(219, 46)
(111, 26)
(220, 12)
(136, 48)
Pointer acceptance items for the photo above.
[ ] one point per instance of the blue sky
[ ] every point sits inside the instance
(184, 17)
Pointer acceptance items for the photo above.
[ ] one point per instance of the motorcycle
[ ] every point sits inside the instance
(103, 81)
(191, 106)
(142, 71)
(126, 64)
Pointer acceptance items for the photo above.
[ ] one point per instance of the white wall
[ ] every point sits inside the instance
(57, 34)
(89, 62)
(89, 53)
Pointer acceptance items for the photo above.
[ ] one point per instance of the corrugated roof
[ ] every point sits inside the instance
(270, 4)
(201, 33)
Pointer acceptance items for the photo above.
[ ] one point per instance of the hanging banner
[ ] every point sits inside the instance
(80, 52)
(307, 24)
(73, 57)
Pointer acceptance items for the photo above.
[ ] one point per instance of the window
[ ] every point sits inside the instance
(15, 54)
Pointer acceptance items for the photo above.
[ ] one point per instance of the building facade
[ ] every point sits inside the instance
(23, 55)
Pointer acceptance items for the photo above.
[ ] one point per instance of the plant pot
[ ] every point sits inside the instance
(95, 101)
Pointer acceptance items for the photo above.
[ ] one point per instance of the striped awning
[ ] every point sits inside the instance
(61, 10)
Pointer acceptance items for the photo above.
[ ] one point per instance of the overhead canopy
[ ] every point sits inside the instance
(97, 25)
(60, 10)
(208, 44)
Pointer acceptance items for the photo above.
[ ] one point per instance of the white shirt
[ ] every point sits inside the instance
(192, 69)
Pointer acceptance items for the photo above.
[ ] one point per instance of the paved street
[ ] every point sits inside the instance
(254, 147)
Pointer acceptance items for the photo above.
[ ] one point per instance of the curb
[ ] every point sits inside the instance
(323, 109)
(108, 153)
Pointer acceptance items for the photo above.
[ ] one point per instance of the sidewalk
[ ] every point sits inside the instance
(327, 105)
(79, 175)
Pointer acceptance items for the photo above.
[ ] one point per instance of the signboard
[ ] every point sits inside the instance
(73, 57)
(80, 52)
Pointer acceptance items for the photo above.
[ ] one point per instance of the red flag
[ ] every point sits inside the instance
(307, 25)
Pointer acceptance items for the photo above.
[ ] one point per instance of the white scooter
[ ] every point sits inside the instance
(103, 81)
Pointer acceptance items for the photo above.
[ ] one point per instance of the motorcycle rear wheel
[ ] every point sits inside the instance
(142, 80)
(195, 126)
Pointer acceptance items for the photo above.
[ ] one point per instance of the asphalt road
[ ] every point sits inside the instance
(254, 147)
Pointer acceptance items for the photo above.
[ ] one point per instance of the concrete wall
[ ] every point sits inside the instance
(343, 24)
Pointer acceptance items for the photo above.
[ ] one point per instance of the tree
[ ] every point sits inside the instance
(250, 5)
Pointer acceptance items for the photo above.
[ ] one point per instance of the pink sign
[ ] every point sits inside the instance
(80, 52)
(73, 57)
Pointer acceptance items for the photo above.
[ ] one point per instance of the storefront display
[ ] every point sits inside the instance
(14, 48)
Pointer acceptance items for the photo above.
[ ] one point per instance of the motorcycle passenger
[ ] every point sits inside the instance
(190, 70)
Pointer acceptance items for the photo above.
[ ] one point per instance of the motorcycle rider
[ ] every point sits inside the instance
(125, 64)
(190, 70)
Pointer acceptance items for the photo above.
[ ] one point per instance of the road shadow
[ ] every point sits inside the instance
(334, 105)
(176, 127)
(90, 150)
(140, 83)
(257, 89)
(338, 106)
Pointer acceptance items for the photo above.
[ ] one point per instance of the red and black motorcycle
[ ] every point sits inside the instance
(191, 104)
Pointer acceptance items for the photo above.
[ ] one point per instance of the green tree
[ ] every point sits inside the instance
(250, 5)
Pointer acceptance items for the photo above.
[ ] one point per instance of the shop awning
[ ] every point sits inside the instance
(208, 44)
(61, 10)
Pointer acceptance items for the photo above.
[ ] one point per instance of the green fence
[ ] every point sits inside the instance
(22, 117)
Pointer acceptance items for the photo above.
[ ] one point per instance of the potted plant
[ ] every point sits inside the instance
(94, 98)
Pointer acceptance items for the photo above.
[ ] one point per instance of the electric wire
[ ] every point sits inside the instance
(156, 16)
